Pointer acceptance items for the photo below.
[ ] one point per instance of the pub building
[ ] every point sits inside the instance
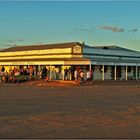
(106, 62)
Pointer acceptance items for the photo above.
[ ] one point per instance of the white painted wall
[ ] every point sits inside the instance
(130, 74)
(123, 72)
(139, 74)
(97, 73)
(108, 73)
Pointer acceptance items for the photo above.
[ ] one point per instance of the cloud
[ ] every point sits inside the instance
(8, 45)
(133, 30)
(81, 29)
(13, 41)
(20, 40)
(112, 28)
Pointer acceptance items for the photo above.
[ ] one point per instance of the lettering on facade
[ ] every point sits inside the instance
(77, 49)
(22, 63)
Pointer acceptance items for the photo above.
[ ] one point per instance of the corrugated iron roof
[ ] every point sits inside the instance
(113, 48)
(41, 47)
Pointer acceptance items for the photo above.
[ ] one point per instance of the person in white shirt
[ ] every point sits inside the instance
(76, 75)
(88, 76)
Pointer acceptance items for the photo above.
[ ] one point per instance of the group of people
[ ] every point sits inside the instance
(67, 73)
(21, 75)
(14, 76)
(80, 76)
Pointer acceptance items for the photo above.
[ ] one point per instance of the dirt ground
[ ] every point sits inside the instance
(94, 111)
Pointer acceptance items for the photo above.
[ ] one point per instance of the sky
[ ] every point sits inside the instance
(93, 22)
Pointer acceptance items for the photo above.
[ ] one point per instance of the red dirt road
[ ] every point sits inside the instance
(99, 111)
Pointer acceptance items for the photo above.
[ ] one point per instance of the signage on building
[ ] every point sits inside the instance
(77, 49)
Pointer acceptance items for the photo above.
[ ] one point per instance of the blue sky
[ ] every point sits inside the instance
(94, 22)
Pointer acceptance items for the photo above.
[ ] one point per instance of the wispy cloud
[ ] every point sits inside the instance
(133, 30)
(20, 40)
(111, 28)
(6, 45)
(82, 29)
(13, 41)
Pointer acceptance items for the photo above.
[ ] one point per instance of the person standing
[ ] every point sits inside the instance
(91, 75)
(76, 75)
(82, 76)
(66, 74)
(88, 78)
